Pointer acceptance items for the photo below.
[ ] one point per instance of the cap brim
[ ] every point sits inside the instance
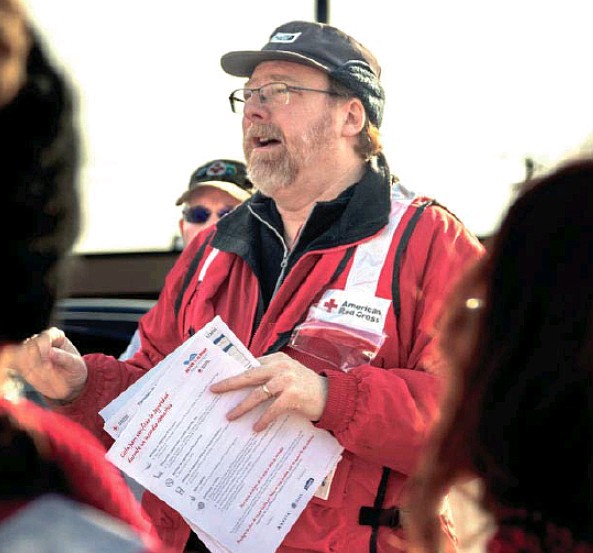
(242, 64)
(231, 189)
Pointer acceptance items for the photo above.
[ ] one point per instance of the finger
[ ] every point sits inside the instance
(32, 348)
(267, 418)
(248, 379)
(257, 396)
(274, 360)
(45, 339)
(267, 391)
(43, 342)
(56, 336)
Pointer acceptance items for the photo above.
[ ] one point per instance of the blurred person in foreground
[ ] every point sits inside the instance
(518, 415)
(214, 190)
(332, 274)
(57, 491)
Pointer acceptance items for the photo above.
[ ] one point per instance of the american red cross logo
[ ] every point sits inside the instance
(329, 305)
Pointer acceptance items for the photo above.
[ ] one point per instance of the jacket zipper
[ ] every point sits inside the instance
(286, 255)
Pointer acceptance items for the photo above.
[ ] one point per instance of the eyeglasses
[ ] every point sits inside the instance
(275, 94)
(199, 214)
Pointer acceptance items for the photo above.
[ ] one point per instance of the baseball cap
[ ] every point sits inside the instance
(227, 175)
(325, 48)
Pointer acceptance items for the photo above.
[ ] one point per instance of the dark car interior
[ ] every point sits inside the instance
(108, 294)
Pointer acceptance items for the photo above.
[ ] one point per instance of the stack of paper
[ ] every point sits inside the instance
(240, 491)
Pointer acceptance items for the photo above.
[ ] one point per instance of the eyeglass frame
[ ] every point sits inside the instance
(289, 89)
(205, 211)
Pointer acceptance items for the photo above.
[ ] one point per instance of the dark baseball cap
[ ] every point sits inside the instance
(325, 48)
(227, 175)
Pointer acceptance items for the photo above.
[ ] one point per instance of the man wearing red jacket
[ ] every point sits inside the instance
(332, 274)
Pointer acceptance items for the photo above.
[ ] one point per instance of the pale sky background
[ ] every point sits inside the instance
(472, 88)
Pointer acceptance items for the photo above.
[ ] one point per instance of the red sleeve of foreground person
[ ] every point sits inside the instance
(92, 479)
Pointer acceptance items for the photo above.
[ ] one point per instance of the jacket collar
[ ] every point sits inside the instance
(358, 212)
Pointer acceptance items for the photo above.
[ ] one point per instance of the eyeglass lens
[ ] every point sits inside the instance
(273, 93)
(199, 214)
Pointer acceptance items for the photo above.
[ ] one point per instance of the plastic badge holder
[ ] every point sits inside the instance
(341, 346)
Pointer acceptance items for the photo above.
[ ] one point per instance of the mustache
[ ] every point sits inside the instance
(264, 130)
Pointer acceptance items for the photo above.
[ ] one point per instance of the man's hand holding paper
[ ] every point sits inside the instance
(240, 490)
(283, 384)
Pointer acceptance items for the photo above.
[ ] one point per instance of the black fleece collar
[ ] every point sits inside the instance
(360, 211)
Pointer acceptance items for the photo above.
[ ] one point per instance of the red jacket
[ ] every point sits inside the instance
(379, 412)
(92, 480)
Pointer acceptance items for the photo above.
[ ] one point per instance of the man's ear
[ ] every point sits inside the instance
(354, 117)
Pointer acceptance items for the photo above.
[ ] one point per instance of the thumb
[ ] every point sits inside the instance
(58, 339)
(56, 336)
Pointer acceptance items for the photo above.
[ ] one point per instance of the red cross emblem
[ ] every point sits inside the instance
(329, 305)
(217, 168)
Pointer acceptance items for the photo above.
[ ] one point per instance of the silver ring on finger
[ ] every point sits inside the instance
(266, 391)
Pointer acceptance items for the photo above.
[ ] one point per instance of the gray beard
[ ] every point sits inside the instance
(279, 170)
(271, 174)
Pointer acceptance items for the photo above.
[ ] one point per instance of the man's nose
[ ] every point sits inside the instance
(255, 109)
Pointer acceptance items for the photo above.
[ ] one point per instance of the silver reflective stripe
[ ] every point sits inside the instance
(209, 259)
(370, 256)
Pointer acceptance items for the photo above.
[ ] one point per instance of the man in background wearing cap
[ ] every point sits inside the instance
(332, 275)
(214, 190)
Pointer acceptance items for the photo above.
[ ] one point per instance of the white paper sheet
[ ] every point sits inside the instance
(117, 413)
(239, 490)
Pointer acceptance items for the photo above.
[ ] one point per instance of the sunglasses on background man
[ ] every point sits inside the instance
(199, 214)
